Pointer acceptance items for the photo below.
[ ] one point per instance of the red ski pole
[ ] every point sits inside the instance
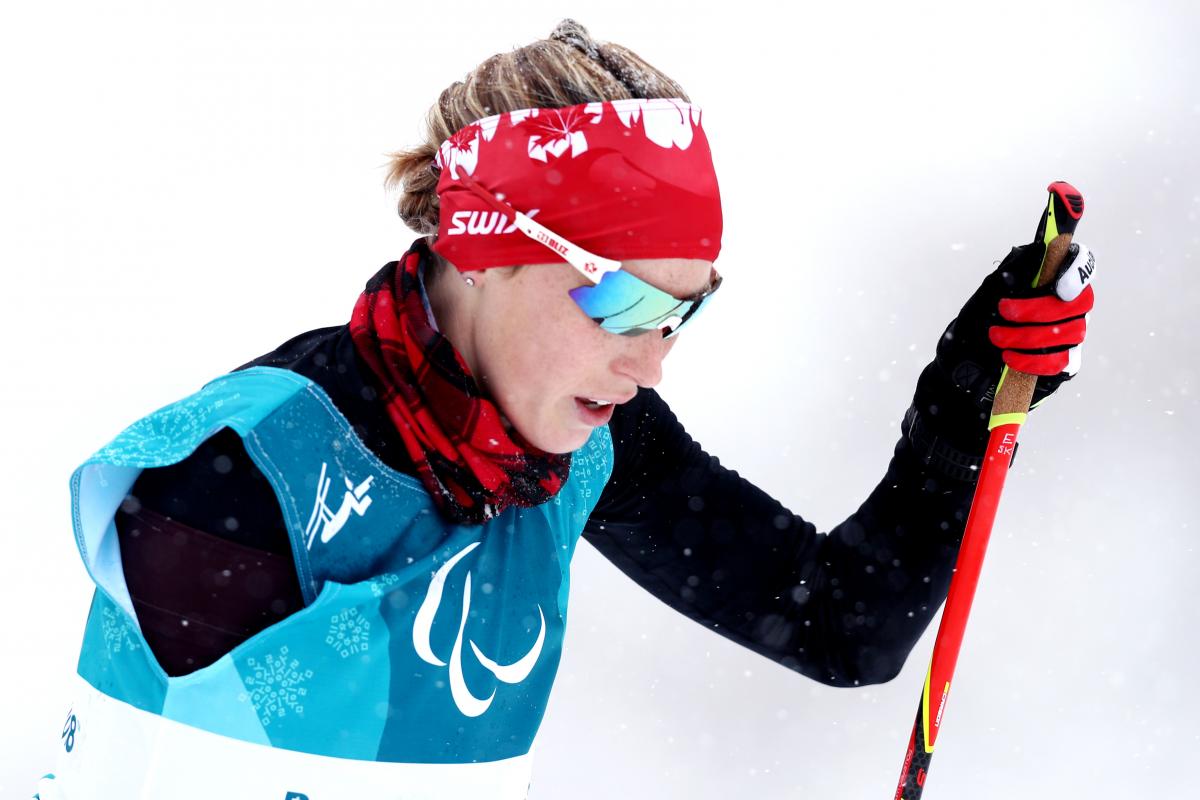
(1013, 395)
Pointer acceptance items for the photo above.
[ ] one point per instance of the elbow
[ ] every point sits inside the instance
(869, 652)
(880, 669)
(864, 666)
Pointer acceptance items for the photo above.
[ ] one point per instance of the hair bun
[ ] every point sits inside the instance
(571, 32)
(575, 69)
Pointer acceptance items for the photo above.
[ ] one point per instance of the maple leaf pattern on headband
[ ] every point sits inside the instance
(555, 130)
(665, 122)
(522, 114)
(461, 150)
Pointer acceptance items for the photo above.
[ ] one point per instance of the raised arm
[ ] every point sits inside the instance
(844, 608)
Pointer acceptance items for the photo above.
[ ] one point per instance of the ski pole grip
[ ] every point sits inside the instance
(1055, 229)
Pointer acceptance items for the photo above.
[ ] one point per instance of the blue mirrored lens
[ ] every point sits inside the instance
(624, 304)
(621, 300)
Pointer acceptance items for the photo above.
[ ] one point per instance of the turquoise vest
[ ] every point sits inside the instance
(420, 641)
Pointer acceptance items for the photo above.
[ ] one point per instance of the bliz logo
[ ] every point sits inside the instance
(552, 243)
(69, 729)
(328, 522)
(295, 796)
(483, 222)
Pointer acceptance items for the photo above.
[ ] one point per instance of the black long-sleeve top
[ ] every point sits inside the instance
(844, 608)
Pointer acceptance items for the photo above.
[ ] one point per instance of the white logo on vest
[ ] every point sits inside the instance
(467, 703)
(329, 522)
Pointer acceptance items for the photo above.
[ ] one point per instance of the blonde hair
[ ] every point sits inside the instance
(566, 69)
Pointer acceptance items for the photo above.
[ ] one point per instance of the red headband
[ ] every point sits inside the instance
(624, 179)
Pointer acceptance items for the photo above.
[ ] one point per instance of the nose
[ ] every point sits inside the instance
(642, 356)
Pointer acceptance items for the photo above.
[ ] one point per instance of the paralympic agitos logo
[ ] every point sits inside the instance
(483, 222)
(513, 673)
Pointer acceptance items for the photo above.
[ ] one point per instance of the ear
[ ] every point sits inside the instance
(494, 274)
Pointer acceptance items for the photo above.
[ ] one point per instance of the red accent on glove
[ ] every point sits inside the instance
(1053, 328)
(1053, 334)
(1046, 309)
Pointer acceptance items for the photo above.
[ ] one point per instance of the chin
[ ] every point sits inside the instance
(557, 438)
(564, 441)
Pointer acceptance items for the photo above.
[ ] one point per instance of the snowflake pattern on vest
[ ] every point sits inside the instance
(276, 685)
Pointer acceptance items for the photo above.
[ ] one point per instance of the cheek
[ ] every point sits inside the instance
(552, 348)
(538, 352)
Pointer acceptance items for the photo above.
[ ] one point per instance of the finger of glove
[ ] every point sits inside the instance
(1074, 360)
(1033, 337)
(1047, 308)
(1035, 364)
(1048, 384)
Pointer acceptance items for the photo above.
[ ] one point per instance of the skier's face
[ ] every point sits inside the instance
(535, 353)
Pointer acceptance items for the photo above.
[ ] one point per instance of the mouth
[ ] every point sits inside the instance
(594, 412)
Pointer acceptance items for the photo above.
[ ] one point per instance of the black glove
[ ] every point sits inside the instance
(1006, 321)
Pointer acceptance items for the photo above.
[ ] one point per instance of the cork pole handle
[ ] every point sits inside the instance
(1062, 213)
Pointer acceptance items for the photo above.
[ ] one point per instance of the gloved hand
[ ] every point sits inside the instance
(1005, 321)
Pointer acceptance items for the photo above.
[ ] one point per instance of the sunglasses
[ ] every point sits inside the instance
(617, 300)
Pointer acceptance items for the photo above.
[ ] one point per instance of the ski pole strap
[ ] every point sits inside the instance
(936, 452)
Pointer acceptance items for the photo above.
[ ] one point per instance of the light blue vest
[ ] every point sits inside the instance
(420, 641)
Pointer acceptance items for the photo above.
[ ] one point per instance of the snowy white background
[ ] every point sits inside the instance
(184, 186)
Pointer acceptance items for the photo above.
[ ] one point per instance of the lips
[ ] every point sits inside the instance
(601, 399)
(593, 414)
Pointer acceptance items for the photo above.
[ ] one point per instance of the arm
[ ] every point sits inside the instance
(844, 608)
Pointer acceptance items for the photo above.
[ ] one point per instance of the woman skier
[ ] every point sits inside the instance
(342, 569)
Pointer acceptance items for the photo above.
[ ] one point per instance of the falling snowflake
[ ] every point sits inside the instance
(274, 685)
(349, 632)
(117, 632)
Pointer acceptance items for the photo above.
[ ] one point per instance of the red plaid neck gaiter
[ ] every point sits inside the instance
(472, 467)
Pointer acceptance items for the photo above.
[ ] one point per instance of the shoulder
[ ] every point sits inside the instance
(204, 476)
(329, 358)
